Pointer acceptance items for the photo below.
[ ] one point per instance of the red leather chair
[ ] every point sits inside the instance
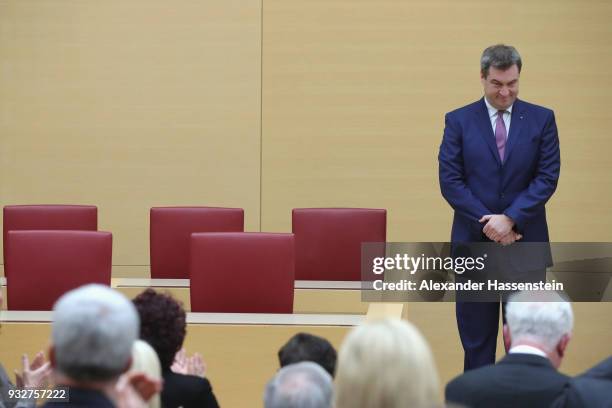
(43, 265)
(328, 241)
(170, 231)
(48, 217)
(245, 272)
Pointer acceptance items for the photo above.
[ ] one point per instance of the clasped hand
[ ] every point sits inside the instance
(498, 228)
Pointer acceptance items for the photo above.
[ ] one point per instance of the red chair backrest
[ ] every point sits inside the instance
(328, 241)
(246, 272)
(48, 217)
(43, 265)
(170, 231)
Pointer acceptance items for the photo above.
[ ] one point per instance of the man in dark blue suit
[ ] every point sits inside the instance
(537, 333)
(499, 164)
(590, 389)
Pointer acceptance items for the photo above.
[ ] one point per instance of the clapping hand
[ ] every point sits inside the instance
(193, 365)
(134, 389)
(35, 375)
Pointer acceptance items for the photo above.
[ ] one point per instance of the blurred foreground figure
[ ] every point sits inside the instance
(163, 326)
(33, 375)
(537, 333)
(300, 385)
(307, 347)
(386, 363)
(93, 330)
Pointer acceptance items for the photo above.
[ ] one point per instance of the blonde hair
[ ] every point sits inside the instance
(386, 364)
(145, 360)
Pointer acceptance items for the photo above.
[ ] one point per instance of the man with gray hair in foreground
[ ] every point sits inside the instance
(538, 330)
(93, 330)
(300, 385)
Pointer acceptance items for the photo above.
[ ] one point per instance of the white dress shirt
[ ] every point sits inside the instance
(493, 116)
(524, 349)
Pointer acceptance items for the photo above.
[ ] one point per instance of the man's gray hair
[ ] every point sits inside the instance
(300, 385)
(542, 317)
(499, 56)
(93, 330)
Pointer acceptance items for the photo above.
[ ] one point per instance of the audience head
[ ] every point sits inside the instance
(307, 347)
(539, 319)
(162, 324)
(386, 363)
(300, 385)
(93, 330)
(145, 360)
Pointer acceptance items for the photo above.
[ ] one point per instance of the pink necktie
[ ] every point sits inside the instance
(500, 134)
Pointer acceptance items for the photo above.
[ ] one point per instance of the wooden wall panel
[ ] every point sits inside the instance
(128, 105)
(354, 96)
(242, 358)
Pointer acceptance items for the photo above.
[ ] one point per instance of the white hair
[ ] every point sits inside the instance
(386, 363)
(539, 317)
(300, 385)
(93, 330)
(145, 360)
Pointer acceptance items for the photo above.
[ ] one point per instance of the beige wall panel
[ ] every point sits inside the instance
(128, 105)
(241, 359)
(328, 301)
(354, 96)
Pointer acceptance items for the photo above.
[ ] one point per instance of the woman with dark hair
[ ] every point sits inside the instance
(162, 325)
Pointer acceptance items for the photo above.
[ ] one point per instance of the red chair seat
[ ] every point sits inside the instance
(170, 231)
(244, 272)
(48, 217)
(43, 265)
(328, 241)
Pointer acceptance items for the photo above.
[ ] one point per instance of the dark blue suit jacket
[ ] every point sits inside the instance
(517, 380)
(475, 182)
(590, 389)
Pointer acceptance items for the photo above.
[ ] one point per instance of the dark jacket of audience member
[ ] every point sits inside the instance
(537, 333)
(307, 347)
(590, 389)
(518, 380)
(163, 326)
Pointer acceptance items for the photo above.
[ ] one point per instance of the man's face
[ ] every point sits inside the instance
(501, 87)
